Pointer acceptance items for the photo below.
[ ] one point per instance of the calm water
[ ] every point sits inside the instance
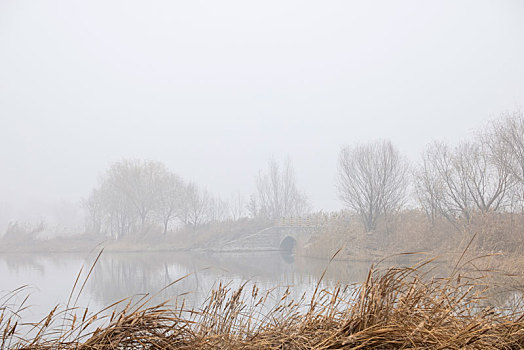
(50, 277)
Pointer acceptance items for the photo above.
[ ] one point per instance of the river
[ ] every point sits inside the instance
(49, 278)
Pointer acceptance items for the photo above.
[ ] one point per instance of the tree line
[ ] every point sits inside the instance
(135, 196)
(481, 175)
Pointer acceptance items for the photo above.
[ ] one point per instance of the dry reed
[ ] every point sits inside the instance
(394, 308)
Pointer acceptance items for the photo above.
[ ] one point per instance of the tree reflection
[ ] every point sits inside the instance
(117, 276)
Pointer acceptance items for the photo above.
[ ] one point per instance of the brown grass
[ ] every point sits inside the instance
(410, 230)
(394, 308)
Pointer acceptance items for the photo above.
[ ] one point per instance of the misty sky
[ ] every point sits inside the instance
(213, 89)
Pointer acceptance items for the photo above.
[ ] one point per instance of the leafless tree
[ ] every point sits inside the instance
(128, 195)
(119, 215)
(277, 195)
(428, 189)
(237, 207)
(445, 173)
(456, 182)
(509, 130)
(196, 208)
(372, 180)
(170, 200)
(134, 195)
(253, 207)
(487, 181)
(505, 138)
(140, 183)
(218, 209)
(95, 214)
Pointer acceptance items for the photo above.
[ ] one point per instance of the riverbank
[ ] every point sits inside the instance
(500, 236)
(393, 308)
(206, 237)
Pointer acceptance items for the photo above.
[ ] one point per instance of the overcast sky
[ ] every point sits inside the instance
(213, 89)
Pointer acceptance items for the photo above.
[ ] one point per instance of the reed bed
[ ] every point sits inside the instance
(394, 308)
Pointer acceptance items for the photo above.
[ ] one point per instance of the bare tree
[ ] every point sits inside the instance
(93, 206)
(277, 195)
(128, 195)
(428, 189)
(487, 181)
(509, 130)
(372, 180)
(196, 208)
(446, 181)
(121, 216)
(134, 195)
(139, 182)
(456, 182)
(170, 200)
(505, 138)
(253, 207)
(218, 209)
(237, 207)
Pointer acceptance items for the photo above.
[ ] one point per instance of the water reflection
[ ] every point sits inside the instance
(287, 256)
(49, 279)
(119, 275)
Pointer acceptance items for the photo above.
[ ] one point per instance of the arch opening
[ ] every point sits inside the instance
(288, 244)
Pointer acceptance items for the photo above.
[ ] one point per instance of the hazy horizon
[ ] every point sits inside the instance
(215, 89)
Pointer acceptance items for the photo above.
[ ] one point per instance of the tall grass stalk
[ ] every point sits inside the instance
(394, 308)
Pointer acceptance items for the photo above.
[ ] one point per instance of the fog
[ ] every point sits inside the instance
(215, 89)
(348, 170)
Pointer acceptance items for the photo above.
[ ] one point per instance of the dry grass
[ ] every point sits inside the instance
(410, 230)
(406, 307)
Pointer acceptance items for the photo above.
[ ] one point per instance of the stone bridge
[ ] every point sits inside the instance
(282, 236)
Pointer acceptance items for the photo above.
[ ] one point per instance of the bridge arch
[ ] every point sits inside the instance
(288, 244)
